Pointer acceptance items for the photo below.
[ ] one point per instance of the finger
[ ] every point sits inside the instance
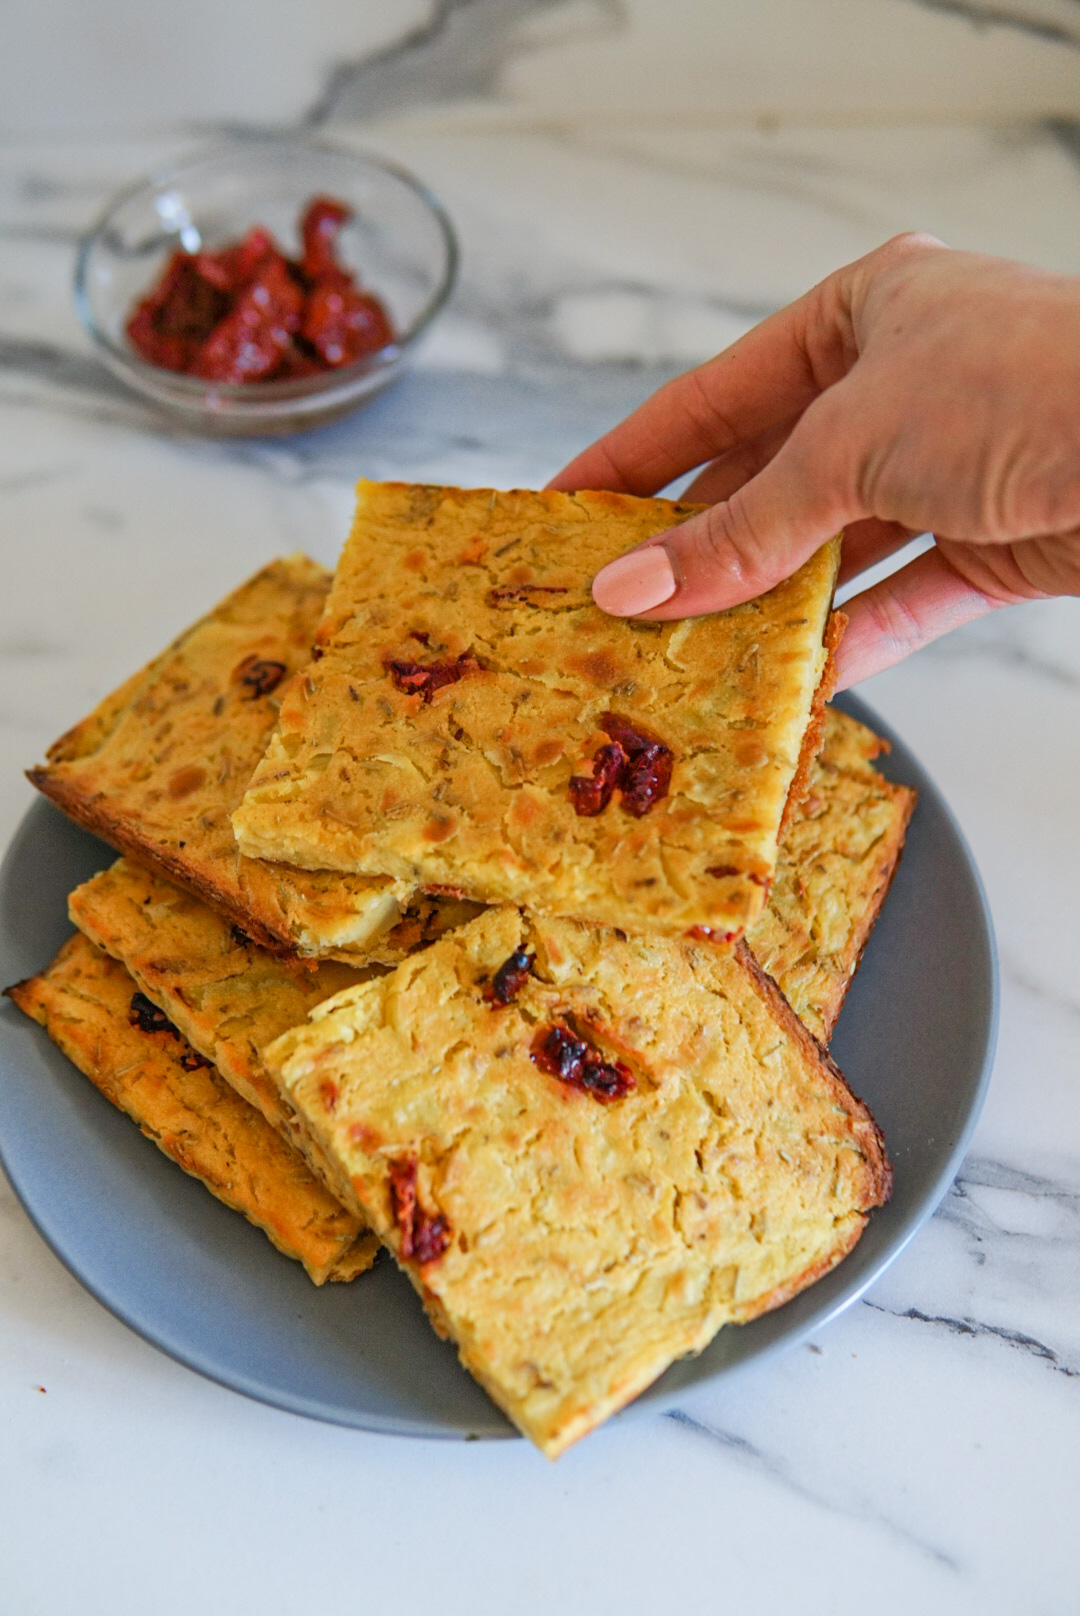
(766, 378)
(745, 545)
(920, 603)
(868, 542)
(728, 472)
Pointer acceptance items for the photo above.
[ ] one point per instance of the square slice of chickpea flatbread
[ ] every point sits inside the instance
(576, 1233)
(90, 1008)
(463, 677)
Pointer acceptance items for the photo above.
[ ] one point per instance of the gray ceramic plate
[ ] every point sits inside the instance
(915, 1041)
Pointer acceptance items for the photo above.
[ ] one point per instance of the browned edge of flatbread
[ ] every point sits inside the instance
(120, 834)
(342, 1258)
(868, 1136)
(830, 1013)
(814, 733)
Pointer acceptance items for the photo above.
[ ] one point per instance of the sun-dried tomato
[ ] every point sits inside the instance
(507, 982)
(635, 763)
(646, 780)
(260, 676)
(234, 266)
(559, 1051)
(191, 1062)
(592, 795)
(147, 1017)
(246, 313)
(418, 679)
(342, 323)
(320, 227)
(170, 324)
(249, 344)
(423, 1237)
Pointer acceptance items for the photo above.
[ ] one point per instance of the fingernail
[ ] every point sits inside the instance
(635, 582)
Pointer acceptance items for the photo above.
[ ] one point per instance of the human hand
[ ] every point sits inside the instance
(916, 390)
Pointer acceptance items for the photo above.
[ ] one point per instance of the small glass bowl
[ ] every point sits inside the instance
(399, 242)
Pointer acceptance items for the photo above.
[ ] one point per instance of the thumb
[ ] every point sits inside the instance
(746, 544)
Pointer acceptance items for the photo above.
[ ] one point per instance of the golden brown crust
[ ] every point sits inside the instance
(466, 783)
(889, 864)
(573, 1246)
(160, 764)
(227, 996)
(877, 1183)
(846, 1238)
(837, 860)
(814, 735)
(84, 1002)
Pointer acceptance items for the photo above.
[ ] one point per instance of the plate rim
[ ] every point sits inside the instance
(655, 1399)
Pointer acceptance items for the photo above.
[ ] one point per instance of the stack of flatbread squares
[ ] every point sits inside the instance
(455, 917)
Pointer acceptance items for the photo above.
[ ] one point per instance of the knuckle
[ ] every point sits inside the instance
(908, 244)
(894, 624)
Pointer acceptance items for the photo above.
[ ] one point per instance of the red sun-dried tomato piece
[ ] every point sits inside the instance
(298, 361)
(192, 1062)
(646, 779)
(507, 982)
(343, 323)
(209, 266)
(635, 763)
(249, 343)
(259, 676)
(235, 266)
(246, 313)
(145, 1015)
(168, 326)
(416, 679)
(320, 227)
(423, 1237)
(560, 1052)
(591, 795)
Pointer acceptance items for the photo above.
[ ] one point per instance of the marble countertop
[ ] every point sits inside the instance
(924, 1450)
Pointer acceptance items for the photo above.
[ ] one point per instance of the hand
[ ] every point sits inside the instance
(917, 390)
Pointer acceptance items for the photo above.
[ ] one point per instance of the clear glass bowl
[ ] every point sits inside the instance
(399, 241)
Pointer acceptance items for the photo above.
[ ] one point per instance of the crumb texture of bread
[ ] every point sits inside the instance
(227, 996)
(158, 767)
(462, 677)
(837, 859)
(574, 1242)
(178, 1100)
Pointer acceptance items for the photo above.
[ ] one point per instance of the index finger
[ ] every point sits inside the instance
(766, 378)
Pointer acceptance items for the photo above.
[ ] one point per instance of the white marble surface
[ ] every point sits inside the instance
(924, 1452)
